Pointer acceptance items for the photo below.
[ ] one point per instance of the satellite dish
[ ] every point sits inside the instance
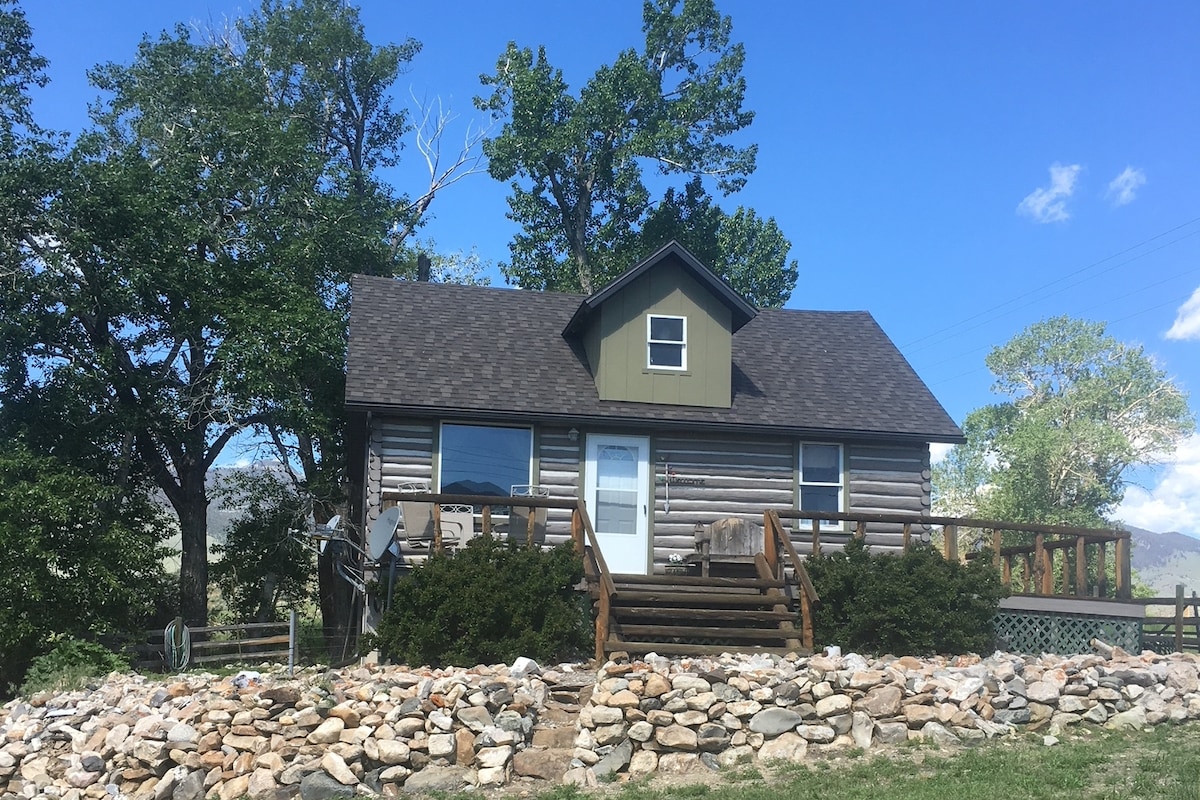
(334, 521)
(382, 531)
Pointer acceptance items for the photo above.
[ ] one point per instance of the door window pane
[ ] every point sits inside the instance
(616, 489)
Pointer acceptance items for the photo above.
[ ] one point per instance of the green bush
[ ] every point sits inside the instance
(69, 666)
(487, 603)
(917, 603)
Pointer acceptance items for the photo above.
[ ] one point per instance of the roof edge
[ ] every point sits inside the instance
(742, 312)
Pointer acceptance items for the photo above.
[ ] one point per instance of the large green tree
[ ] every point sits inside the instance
(575, 161)
(190, 260)
(750, 252)
(1083, 410)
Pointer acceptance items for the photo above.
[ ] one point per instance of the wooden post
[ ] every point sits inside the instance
(437, 527)
(860, 530)
(1102, 570)
(1008, 571)
(806, 620)
(292, 619)
(1080, 566)
(602, 614)
(1040, 572)
(1124, 590)
(816, 537)
(485, 521)
(907, 535)
(1065, 570)
(771, 536)
(950, 542)
(530, 527)
(1027, 576)
(577, 531)
(997, 544)
(1179, 618)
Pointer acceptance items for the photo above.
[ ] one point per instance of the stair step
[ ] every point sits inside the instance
(698, 581)
(739, 615)
(676, 648)
(698, 632)
(689, 599)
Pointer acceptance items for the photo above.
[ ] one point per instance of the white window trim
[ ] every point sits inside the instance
(826, 525)
(476, 424)
(682, 343)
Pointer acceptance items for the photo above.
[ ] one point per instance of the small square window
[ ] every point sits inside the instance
(666, 342)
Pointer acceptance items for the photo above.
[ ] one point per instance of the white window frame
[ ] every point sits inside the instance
(826, 525)
(682, 343)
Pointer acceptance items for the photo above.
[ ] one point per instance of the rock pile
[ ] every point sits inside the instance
(387, 730)
(334, 734)
(659, 715)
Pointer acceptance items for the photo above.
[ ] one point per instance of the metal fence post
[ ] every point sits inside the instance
(292, 642)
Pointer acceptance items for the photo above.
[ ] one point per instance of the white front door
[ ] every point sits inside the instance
(617, 489)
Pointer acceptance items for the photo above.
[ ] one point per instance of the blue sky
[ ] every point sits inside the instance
(960, 170)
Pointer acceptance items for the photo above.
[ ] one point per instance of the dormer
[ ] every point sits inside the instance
(662, 332)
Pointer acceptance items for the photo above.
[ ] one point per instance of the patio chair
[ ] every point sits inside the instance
(416, 518)
(457, 525)
(520, 519)
(731, 544)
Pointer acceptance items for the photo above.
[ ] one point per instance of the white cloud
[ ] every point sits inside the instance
(1123, 189)
(938, 451)
(1174, 503)
(1049, 204)
(1187, 319)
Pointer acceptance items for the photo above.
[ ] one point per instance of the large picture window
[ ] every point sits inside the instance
(666, 342)
(484, 459)
(821, 479)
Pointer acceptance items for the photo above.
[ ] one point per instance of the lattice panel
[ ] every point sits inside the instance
(1065, 634)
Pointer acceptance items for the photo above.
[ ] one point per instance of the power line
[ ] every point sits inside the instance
(908, 347)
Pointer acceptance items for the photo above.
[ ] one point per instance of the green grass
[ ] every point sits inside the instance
(1084, 766)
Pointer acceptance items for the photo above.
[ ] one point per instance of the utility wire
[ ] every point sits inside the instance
(908, 347)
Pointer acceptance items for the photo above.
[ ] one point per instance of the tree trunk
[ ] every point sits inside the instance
(193, 566)
(339, 624)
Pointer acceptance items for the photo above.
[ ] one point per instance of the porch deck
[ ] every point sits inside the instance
(766, 605)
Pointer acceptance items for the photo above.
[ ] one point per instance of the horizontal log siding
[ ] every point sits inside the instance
(398, 453)
(888, 479)
(558, 470)
(741, 478)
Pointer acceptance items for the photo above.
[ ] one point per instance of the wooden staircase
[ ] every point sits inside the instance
(692, 615)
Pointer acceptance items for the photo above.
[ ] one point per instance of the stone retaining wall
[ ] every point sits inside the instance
(677, 716)
(387, 730)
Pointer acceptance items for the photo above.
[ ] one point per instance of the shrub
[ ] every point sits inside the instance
(912, 604)
(487, 603)
(69, 666)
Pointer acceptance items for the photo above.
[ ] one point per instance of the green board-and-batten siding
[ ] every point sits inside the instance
(618, 356)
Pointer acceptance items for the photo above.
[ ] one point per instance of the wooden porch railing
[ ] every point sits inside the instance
(1054, 560)
(774, 537)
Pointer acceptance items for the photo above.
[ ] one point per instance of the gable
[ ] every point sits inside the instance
(488, 353)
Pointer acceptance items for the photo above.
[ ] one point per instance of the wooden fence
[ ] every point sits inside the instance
(178, 647)
(1174, 631)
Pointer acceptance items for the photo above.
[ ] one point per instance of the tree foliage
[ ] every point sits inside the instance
(748, 251)
(574, 162)
(81, 558)
(185, 265)
(1084, 409)
(263, 566)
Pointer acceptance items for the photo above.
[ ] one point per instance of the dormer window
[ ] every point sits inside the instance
(666, 342)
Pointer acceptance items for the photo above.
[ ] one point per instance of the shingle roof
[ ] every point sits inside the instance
(487, 352)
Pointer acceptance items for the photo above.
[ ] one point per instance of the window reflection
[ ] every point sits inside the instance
(485, 459)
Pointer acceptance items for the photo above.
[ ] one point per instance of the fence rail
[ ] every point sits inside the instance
(1174, 632)
(177, 646)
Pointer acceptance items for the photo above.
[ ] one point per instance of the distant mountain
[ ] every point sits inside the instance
(1162, 560)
